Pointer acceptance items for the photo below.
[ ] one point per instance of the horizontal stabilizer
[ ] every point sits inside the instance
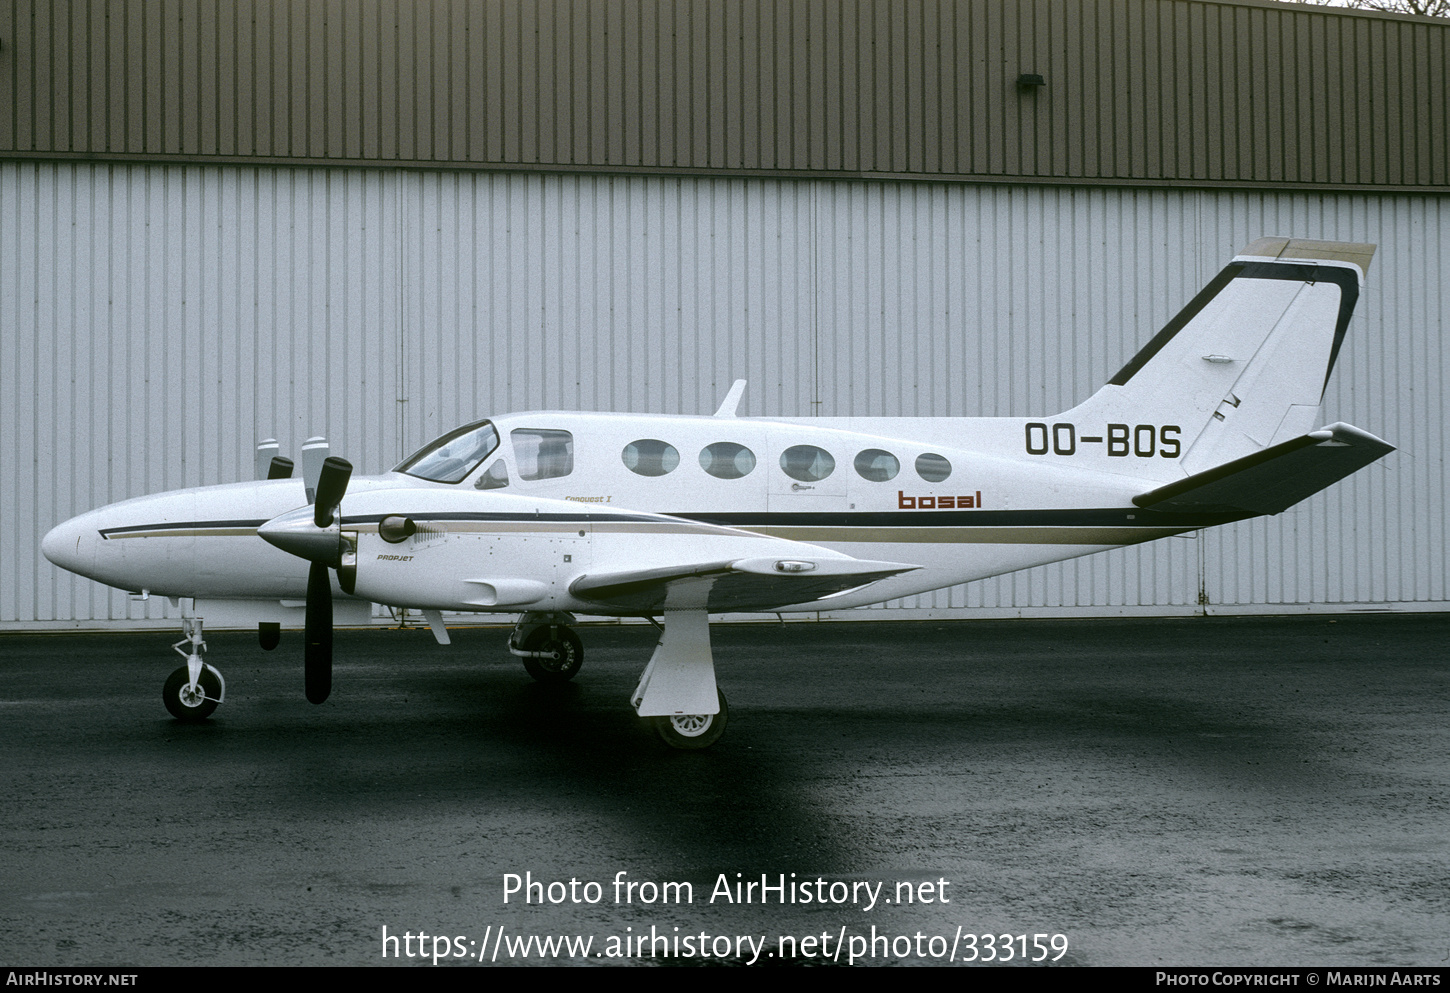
(741, 584)
(1271, 481)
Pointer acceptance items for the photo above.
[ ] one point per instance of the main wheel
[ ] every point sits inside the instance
(568, 651)
(188, 705)
(692, 731)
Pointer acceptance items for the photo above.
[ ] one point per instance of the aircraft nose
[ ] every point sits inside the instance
(72, 546)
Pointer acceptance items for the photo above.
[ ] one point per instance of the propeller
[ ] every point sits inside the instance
(315, 533)
(317, 644)
(267, 450)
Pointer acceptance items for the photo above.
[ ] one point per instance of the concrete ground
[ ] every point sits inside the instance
(1222, 791)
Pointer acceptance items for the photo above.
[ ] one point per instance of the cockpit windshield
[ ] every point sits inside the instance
(451, 458)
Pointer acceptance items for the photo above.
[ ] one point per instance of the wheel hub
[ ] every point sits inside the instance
(692, 725)
(556, 656)
(192, 695)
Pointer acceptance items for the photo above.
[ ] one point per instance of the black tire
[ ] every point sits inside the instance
(692, 732)
(171, 693)
(565, 643)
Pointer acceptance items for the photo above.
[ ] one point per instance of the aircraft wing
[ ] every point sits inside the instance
(734, 585)
(1271, 481)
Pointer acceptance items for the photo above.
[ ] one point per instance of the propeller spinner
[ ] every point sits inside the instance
(315, 533)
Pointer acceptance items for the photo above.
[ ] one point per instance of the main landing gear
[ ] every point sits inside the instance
(677, 692)
(551, 651)
(192, 692)
(693, 731)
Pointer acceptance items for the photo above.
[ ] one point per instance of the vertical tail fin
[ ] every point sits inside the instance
(1245, 364)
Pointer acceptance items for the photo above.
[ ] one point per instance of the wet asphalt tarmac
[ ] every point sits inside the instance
(1188, 791)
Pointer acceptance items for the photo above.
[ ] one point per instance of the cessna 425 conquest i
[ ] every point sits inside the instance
(545, 514)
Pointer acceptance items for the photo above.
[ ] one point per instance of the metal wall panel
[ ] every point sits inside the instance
(155, 321)
(1236, 92)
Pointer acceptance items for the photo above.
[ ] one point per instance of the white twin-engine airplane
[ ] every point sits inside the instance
(544, 514)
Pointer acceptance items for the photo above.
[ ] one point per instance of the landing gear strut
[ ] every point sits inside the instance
(551, 651)
(677, 692)
(192, 692)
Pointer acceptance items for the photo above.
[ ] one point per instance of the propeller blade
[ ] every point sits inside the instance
(331, 486)
(281, 468)
(314, 453)
(266, 450)
(319, 633)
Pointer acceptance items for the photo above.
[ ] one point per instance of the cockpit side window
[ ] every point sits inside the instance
(451, 458)
(543, 453)
(494, 478)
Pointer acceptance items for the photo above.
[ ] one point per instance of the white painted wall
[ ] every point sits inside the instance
(156, 321)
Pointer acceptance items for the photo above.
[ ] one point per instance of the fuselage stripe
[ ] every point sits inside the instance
(1092, 526)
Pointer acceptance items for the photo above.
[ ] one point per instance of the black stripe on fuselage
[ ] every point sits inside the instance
(1077, 517)
(1084, 517)
(182, 525)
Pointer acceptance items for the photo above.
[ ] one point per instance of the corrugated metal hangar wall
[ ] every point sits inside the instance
(162, 319)
(175, 297)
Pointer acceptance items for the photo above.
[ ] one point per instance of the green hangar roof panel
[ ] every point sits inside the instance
(1139, 92)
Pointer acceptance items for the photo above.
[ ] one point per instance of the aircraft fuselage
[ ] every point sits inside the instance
(826, 482)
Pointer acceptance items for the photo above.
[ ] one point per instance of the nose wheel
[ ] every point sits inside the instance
(192, 702)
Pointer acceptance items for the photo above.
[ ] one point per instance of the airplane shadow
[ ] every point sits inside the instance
(841, 741)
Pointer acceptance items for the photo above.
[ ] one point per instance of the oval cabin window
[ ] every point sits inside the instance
(877, 466)
(650, 457)
(933, 468)
(727, 460)
(807, 463)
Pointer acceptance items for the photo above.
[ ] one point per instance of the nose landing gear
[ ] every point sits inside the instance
(192, 692)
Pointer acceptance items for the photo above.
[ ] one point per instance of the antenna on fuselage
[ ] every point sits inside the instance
(732, 399)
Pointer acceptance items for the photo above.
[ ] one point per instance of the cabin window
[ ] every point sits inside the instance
(650, 457)
(727, 460)
(807, 463)
(877, 466)
(543, 453)
(451, 458)
(933, 468)
(495, 478)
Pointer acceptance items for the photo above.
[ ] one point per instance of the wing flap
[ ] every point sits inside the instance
(734, 585)
(1273, 480)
